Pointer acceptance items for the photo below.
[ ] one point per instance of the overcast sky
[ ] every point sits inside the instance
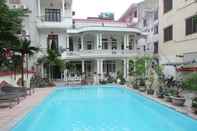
(91, 8)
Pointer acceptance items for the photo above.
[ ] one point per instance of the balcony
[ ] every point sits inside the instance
(61, 23)
(54, 14)
(92, 54)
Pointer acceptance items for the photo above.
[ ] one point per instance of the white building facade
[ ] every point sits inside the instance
(178, 32)
(96, 47)
(144, 15)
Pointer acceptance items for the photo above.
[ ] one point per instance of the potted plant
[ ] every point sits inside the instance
(194, 105)
(149, 84)
(167, 95)
(142, 85)
(120, 78)
(177, 98)
(160, 92)
(134, 84)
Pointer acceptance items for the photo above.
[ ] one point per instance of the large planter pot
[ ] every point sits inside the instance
(150, 92)
(167, 98)
(178, 101)
(142, 89)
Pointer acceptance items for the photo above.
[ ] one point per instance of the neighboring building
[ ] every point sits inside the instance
(144, 15)
(178, 32)
(96, 47)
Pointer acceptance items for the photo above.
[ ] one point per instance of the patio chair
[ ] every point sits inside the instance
(8, 99)
(21, 92)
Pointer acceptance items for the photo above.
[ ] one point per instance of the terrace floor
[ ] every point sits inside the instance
(9, 117)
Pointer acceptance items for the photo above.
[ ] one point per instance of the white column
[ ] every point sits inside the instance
(125, 68)
(63, 9)
(99, 41)
(98, 66)
(125, 41)
(83, 66)
(65, 75)
(67, 42)
(39, 8)
(101, 68)
(82, 42)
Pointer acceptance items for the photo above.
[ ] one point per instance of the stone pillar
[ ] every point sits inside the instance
(99, 41)
(67, 42)
(65, 75)
(101, 68)
(98, 66)
(63, 9)
(126, 41)
(42, 71)
(125, 68)
(39, 8)
(82, 42)
(83, 66)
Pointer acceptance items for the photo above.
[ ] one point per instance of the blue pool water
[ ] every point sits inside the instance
(102, 109)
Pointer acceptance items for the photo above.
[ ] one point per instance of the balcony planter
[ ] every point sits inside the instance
(194, 105)
(178, 100)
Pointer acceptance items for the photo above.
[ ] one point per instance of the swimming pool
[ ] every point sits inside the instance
(102, 109)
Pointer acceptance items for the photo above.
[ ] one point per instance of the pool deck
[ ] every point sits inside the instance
(9, 117)
(186, 109)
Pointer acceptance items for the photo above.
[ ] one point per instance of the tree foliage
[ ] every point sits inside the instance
(10, 24)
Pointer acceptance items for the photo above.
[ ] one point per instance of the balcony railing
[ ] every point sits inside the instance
(50, 19)
(99, 53)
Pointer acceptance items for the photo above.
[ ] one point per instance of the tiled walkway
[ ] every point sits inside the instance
(185, 110)
(9, 117)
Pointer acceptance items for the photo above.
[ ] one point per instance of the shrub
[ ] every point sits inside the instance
(39, 82)
(121, 78)
(191, 82)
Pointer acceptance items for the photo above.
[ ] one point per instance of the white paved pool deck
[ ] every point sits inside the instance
(9, 117)
(186, 109)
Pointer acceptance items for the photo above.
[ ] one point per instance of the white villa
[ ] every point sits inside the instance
(98, 47)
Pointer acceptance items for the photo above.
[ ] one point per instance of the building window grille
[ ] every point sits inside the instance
(168, 4)
(191, 25)
(53, 15)
(168, 33)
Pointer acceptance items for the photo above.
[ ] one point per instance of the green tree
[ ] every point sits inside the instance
(25, 49)
(52, 60)
(10, 24)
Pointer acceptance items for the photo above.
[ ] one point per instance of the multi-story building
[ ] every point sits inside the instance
(178, 32)
(144, 15)
(95, 46)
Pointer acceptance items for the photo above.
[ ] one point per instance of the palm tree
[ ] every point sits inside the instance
(25, 49)
(52, 60)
